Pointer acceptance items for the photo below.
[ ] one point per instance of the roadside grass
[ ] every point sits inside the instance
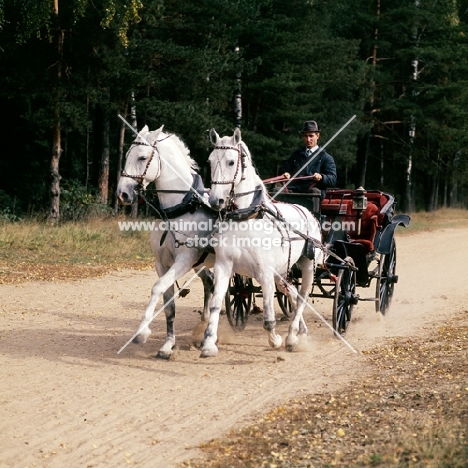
(445, 218)
(35, 250)
(411, 411)
(31, 249)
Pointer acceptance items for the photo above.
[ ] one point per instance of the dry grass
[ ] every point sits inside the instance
(411, 412)
(446, 218)
(31, 250)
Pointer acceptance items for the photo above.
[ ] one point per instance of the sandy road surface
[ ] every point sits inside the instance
(68, 399)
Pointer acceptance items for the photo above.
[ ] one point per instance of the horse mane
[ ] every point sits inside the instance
(191, 163)
(258, 179)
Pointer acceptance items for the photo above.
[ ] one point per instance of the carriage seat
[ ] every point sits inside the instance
(344, 209)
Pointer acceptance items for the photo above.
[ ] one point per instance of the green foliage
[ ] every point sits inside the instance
(7, 208)
(77, 203)
(181, 63)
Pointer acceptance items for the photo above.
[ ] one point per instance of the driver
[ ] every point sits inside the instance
(319, 165)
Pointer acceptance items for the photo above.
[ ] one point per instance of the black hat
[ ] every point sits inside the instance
(310, 126)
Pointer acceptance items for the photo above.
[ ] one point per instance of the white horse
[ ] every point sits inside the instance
(163, 158)
(267, 245)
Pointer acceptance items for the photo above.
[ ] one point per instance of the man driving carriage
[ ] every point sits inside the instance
(317, 168)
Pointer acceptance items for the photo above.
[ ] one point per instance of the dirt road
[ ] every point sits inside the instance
(68, 399)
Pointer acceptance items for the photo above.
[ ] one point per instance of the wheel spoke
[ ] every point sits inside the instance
(238, 301)
(386, 280)
(344, 298)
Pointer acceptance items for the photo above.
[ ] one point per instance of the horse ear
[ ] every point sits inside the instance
(214, 137)
(155, 134)
(144, 130)
(237, 136)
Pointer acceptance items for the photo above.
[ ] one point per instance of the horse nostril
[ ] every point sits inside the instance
(216, 202)
(124, 197)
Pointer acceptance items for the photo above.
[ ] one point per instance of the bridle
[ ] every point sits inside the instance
(141, 178)
(241, 164)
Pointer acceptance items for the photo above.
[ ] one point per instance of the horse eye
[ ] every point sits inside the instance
(142, 158)
(231, 163)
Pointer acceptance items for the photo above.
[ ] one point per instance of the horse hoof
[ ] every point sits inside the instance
(140, 339)
(211, 352)
(276, 342)
(292, 344)
(163, 355)
(143, 336)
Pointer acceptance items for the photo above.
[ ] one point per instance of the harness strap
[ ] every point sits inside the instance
(251, 211)
(277, 216)
(189, 204)
(317, 244)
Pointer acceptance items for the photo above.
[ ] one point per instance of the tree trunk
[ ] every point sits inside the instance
(103, 183)
(409, 203)
(363, 171)
(238, 98)
(445, 197)
(119, 162)
(54, 209)
(133, 114)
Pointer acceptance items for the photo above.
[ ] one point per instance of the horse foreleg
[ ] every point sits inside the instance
(166, 281)
(165, 352)
(221, 282)
(269, 319)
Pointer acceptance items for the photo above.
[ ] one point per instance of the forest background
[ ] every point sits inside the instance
(68, 69)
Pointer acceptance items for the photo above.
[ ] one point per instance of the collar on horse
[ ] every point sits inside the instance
(252, 211)
(190, 203)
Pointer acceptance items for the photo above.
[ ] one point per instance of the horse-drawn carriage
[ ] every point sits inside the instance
(358, 238)
(345, 244)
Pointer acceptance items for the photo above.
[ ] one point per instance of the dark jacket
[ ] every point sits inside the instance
(323, 164)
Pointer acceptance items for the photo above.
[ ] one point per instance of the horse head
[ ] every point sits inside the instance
(141, 165)
(231, 166)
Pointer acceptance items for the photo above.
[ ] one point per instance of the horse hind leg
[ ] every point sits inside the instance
(269, 321)
(207, 279)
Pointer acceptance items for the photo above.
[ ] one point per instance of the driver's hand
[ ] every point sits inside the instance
(287, 175)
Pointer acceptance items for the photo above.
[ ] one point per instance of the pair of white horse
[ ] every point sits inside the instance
(236, 191)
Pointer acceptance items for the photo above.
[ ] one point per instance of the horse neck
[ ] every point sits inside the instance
(250, 183)
(175, 175)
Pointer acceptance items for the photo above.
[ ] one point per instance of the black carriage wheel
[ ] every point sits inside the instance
(283, 300)
(386, 280)
(345, 298)
(238, 301)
